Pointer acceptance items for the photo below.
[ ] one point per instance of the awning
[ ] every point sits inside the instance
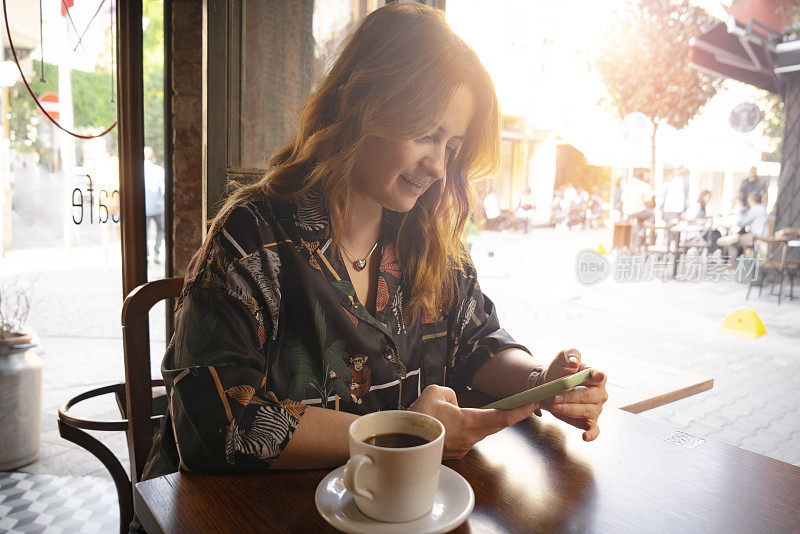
(729, 50)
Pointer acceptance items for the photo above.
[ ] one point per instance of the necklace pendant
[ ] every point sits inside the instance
(360, 264)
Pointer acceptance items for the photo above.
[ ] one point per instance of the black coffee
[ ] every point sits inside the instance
(396, 440)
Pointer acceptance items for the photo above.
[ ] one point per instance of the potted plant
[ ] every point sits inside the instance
(20, 383)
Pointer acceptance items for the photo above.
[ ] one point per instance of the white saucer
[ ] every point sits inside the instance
(452, 505)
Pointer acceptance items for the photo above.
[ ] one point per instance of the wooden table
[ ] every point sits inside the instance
(537, 476)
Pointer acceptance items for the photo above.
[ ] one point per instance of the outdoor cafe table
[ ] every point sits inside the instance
(537, 476)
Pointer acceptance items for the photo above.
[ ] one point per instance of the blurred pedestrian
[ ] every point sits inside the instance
(750, 185)
(754, 223)
(637, 198)
(638, 205)
(676, 196)
(495, 218)
(697, 215)
(154, 199)
(616, 199)
(594, 209)
(526, 209)
(556, 209)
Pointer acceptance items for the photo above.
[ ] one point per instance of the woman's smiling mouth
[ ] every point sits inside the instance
(414, 185)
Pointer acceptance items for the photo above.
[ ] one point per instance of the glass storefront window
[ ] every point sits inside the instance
(59, 196)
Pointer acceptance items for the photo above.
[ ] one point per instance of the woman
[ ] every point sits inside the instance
(338, 285)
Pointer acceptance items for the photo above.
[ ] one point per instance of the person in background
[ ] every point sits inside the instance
(154, 199)
(637, 198)
(494, 215)
(594, 209)
(638, 204)
(697, 214)
(676, 196)
(526, 209)
(754, 223)
(616, 199)
(556, 210)
(750, 185)
(576, 214)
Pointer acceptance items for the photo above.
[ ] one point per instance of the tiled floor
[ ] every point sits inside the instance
(50, 504)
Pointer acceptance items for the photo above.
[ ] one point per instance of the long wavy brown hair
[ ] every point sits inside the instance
(393, 78)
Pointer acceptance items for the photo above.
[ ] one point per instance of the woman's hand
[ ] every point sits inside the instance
(582, 405)
(464, 427)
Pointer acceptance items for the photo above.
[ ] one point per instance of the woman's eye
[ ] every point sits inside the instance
(426, 139)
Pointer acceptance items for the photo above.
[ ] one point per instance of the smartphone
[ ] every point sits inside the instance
(561, 385)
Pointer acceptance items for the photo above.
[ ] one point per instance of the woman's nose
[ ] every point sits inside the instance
(436, 162)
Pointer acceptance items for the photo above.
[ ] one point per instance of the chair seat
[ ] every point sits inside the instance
(658, 250)
(159, 400)
(771, 266)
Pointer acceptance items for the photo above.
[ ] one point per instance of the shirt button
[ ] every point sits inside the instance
(388, 353)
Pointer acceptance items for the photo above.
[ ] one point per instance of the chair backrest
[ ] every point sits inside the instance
(136, 346)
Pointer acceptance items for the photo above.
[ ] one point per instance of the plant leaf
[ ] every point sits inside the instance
(299, 385)
(341, 388)
(345, 287)
(320, 324)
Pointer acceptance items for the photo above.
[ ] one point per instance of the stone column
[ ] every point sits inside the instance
(787, 207)
(186, 94)
(277, 62)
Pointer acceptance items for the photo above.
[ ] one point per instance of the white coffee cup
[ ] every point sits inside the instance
(394, 484)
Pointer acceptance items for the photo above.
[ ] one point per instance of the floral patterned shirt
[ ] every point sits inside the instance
(268, 323)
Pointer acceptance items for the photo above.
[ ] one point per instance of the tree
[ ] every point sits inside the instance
(644, 63)
(153, 75)
(94, 107)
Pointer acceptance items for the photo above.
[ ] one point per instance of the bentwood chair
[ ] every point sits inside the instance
(774, 266)
(141, 400)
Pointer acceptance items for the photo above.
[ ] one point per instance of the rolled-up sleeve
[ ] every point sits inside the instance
(475, 331)
(222, 417)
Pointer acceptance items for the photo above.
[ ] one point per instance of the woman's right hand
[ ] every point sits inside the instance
(464, 427)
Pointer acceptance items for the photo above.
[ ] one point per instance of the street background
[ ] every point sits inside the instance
(532, 280)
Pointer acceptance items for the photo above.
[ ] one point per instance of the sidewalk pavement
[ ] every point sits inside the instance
(756, 394)
(530, 277)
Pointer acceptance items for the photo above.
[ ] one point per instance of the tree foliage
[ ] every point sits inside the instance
(93, 109)
(94, 103)
(153, 76)
(644, 62)
(774, 115)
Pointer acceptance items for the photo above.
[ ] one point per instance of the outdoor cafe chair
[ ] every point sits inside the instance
(775, 266)
(141, 400)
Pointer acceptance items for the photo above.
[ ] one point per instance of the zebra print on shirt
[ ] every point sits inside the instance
(265, 439)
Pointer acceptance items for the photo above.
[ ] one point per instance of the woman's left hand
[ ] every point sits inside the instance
(581, 406)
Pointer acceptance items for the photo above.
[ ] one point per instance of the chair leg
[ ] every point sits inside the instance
(118, 474)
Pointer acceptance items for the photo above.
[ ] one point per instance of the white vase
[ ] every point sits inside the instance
(20, 402)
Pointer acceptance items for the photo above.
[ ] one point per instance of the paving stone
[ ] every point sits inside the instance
(760, 440)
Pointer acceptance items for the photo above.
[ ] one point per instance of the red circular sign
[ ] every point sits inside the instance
(49, 102)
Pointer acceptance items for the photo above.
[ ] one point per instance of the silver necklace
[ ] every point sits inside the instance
(359, 265)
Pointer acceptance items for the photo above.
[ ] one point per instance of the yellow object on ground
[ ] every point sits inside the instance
(601, 249)
(743, 322)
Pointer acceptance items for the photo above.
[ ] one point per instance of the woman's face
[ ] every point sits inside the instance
(393, 174)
